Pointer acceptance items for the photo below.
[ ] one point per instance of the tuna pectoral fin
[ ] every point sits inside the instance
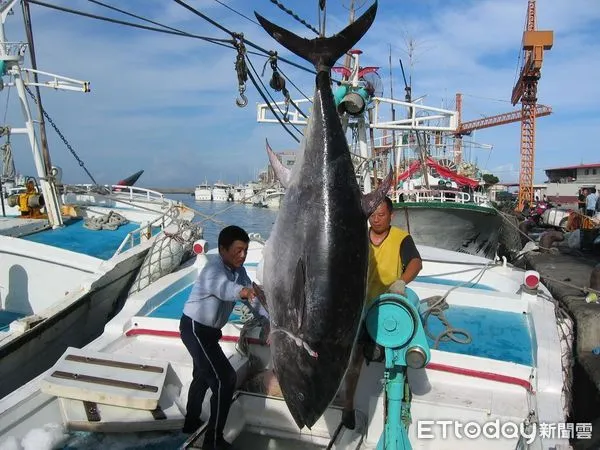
(298, 300)
(322, 52)
(281, 172)
(371, 201)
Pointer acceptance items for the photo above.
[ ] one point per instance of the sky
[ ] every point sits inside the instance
(166, 104)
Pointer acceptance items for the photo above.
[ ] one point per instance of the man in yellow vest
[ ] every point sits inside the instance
(394, 261)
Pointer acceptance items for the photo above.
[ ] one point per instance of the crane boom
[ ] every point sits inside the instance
(500, 119)
(466, 128)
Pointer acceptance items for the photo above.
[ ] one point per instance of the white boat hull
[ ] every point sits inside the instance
(219, 195)
(453, 386)
(74, 321)
(202, 195)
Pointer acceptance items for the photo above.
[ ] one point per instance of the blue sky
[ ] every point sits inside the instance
(165, 104)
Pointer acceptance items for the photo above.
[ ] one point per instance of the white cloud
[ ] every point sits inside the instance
(166, 104)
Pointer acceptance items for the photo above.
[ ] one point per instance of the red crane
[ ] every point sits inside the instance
(525, 91)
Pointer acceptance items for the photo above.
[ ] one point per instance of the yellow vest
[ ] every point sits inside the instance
(385, 263)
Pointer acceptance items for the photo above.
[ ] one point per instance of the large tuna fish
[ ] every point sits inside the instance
(315, 262)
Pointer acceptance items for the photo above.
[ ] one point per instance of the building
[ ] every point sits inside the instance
(584, 173)
(564, 183)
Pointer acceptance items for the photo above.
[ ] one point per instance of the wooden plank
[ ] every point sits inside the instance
(104, 381)
(118, 364)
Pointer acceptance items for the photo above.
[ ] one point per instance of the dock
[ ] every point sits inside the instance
(573, 267)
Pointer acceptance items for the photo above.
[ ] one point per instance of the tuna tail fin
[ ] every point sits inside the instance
(322, 52)
(372, 200)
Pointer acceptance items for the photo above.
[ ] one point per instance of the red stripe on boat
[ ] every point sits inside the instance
(481, 374)
(432, 366)
(175, 334)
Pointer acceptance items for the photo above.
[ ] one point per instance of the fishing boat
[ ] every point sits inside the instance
(203, 192)
(220, 192)
(272, 198)
(68, 254)
(442, 203)
(250, 193)
(446, 209)
(494, 347)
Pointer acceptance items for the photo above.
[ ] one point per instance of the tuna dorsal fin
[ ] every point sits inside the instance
(322, 52)
(298, 299)
(282, 173)
(371, 201)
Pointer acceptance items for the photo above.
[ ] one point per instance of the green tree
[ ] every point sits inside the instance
(490, 179)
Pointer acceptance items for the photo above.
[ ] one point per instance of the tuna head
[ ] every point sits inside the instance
(315, 262)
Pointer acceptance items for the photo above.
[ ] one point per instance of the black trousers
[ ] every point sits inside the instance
(211, 369)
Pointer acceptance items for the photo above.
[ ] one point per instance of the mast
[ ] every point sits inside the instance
(393, 120)
(42, 124)
(12, 56)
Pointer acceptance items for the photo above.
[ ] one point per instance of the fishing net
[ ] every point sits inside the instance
(171, 247)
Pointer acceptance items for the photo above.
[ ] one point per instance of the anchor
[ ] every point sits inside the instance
(393, 322)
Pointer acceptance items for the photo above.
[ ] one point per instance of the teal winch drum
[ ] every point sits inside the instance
(393, 321)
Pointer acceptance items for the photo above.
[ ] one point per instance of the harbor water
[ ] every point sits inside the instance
(253, 219)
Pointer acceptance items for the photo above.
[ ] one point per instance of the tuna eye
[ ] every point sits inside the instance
(300, 396)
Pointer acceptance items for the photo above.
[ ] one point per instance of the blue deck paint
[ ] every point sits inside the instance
(499, 335)
(173, 307)
(6, 317)
(447, 282)
(76, 238)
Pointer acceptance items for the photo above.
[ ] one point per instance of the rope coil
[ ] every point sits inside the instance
(110, 221)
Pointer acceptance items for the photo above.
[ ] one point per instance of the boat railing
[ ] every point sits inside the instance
(129, 192)
(443, 196)
(145, 231)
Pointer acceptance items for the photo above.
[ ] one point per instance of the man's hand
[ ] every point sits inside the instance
(247, 293)
(260, 294)
(398, 287)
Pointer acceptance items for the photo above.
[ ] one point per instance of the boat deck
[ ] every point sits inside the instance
(75, 237)
(495, 331)
(6, 317)
(16, 227)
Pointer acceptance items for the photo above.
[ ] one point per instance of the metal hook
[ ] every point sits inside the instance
(241, 101)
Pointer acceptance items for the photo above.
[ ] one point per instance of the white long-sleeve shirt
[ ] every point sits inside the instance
(215, 292)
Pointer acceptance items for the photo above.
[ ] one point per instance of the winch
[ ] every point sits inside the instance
(29, 202)
(393, 322)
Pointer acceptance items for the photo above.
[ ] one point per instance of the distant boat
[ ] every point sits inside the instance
(203, 192)
(272, 198)
(220, 192)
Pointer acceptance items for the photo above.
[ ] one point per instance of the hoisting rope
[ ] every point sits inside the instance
(295, 16)
(269, 104)
(277, 83)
